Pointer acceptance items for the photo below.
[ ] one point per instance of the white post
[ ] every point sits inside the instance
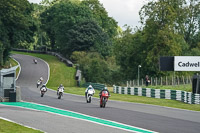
(139, 74)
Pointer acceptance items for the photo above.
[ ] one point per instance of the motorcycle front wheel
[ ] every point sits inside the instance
(59, 97)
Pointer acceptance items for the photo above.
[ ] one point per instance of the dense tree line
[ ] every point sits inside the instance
(16, 25)
(83, 32)
(170, 28)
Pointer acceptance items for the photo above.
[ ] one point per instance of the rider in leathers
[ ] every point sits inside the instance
(60, 87)
(104, 89)
(43, 86)
(89, 87)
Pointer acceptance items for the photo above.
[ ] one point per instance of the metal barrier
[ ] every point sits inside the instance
(186, 97)
(66, 61)
(96, 86)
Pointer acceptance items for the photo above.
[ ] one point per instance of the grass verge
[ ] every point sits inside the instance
(11, 63)
(10, 127)
(187, 87)
(119, 97)
(14, 63)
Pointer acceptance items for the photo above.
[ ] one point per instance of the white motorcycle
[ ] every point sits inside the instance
(43, 90)
(60, 92)
(39, 82)
(35, 61)
(89, 95)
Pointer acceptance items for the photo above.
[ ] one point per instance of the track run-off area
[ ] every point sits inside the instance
(73, 114)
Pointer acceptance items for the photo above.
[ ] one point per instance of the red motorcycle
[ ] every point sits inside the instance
(104, 98)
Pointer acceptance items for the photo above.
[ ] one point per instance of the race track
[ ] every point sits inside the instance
(155, 118)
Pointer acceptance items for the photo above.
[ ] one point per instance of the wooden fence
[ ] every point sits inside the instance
(155, 81)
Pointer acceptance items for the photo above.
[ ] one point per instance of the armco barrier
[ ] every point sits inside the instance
(94, 85)
(66, 61)
(178, 95)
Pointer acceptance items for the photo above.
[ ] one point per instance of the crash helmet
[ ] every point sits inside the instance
(41, 78)
(90, 87)
(43, 85)
(105, 88)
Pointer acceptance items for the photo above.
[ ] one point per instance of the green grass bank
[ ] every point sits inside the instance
(10, 127)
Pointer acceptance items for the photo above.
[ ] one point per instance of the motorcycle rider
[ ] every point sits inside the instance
(39, 82)
(61, 86)
(43, 86)
(41, 79)
(35, 61)
(88, 88)
(104, 89)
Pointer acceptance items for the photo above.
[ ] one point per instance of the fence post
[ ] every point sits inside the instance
(156, 81)
(142, 81)
(166, 81)
(183, 80)
(151, 81)
(161, 81)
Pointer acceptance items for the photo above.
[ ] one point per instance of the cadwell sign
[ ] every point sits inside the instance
(186, 63)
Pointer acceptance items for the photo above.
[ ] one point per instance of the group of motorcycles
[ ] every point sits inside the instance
(104, 95)
(90, 92)
(43, 89)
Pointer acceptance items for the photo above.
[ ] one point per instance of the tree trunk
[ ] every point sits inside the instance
(1, 54)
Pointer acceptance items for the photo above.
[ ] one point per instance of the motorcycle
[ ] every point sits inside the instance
(35, 61)
(39, 82)
(60, 92)
(89, 95)
(43, 90)
(103, 99)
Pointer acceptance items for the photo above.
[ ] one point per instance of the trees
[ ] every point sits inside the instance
(15, 25)
(108, 24)
(162, 31)
(73, 26)
(84, 36)
(95, 68)
(170, 28)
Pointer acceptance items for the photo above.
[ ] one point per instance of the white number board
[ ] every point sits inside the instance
(186, 63)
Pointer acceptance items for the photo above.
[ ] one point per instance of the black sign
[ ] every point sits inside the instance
(167, 63)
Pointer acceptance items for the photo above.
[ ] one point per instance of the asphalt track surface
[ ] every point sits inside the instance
(156, 118)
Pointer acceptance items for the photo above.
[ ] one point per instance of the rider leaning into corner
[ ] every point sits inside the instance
(104, 89)
(88, 88)
(61, 86)
(43, 86)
